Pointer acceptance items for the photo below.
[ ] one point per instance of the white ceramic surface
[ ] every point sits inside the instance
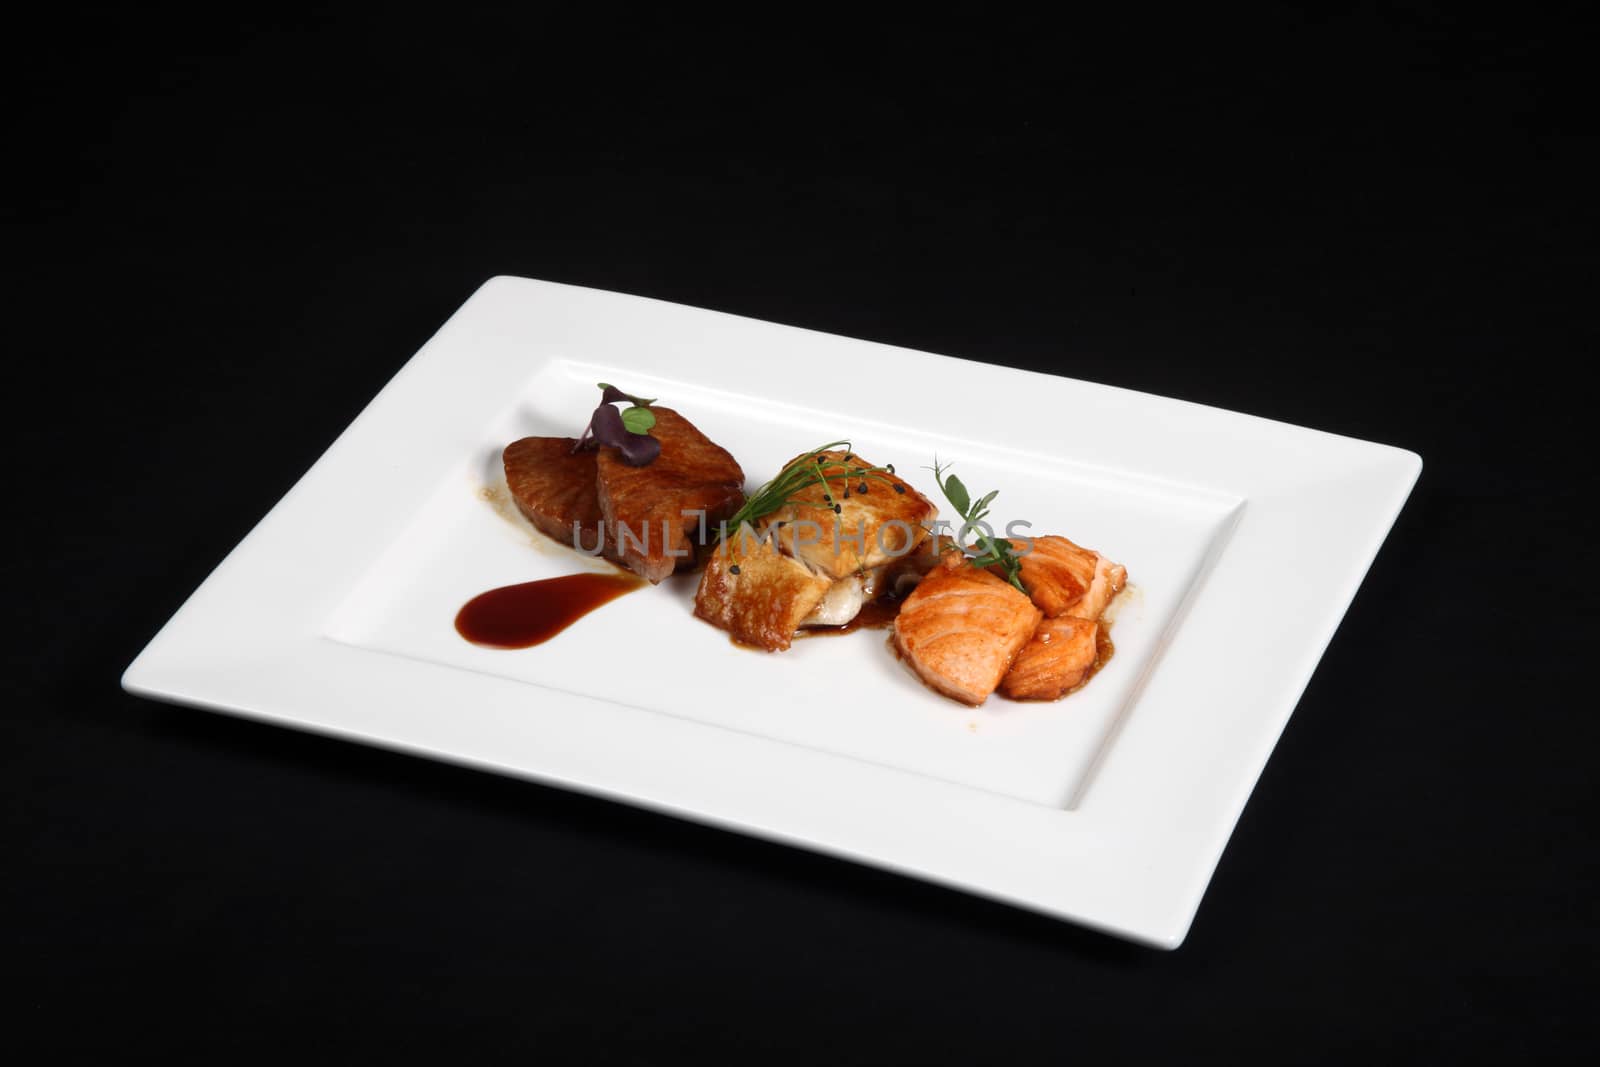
(1245, 540)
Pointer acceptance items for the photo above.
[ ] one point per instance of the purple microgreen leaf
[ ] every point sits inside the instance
(608, 426)
(606, 423)
(639, 449)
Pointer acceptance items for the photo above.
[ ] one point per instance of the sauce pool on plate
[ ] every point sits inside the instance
(531, 613)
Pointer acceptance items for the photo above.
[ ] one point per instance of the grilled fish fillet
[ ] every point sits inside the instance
(648, 510)
(886, 521)
(961, 629)
(756, 593)
(554, 487)
(1057, 659)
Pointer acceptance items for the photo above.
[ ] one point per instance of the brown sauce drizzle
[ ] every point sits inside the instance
(531, 613)
(1103, 651)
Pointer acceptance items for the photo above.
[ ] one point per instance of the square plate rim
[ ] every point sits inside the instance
(1129, 861)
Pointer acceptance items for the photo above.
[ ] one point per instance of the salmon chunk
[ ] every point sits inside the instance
(554, 487)
(872, 527)
(756, 593)
(962, 627)
(650, 512)
(1109, 578)
(1057, 659)
(1057, 574)
(1065, 579)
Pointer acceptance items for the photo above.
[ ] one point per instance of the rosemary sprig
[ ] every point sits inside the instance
(991, 549)
(800, 474)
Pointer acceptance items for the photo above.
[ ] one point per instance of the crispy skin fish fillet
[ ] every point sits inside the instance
(644, 507)
(1064, 579)
(763, 604)
(1057, 659)
(961, 629)
(770, 592)
(554, 487)
(870, 528)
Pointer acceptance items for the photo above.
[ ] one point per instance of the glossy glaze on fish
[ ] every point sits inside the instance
(756, 593)
(1057, 574)
(830, 563)
(1066, 579)
(1109, 579)
(1057, 658)
(880, 518)
(554, 487)
(961, 629)
(650, 511)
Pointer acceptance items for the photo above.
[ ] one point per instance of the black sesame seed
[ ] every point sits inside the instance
(899, 488)
(862, 488)
(890, 468)
(733, 569)
(837, 509)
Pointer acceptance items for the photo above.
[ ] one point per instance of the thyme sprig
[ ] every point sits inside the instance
(990, 549)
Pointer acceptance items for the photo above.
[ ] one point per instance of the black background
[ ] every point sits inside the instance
(224, 237)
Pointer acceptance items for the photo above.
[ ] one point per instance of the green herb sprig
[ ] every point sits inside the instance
(800, 474)
(991, 550)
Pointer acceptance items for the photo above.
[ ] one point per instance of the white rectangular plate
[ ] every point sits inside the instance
(1245, 540)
